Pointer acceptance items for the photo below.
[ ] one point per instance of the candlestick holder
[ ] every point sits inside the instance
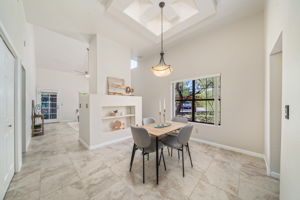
(164, 115)
(159, 116)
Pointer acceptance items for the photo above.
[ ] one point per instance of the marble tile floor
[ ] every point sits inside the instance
(57, 167)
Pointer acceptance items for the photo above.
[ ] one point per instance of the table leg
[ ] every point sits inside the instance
(157, 160)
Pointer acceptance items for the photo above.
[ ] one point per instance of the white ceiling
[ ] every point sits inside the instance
(147, 13)
(81, 18)
(56, 51)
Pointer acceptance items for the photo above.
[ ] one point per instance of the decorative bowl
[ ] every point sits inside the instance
(162, 125)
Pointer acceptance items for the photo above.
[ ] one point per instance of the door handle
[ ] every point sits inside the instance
(10, 126)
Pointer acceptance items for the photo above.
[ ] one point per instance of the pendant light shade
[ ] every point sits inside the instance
(162, 69)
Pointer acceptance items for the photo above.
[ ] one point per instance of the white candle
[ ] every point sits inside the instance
(164, 104)
(159, 106)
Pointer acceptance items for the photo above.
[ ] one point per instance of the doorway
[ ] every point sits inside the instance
(23, 127)
(275, 108)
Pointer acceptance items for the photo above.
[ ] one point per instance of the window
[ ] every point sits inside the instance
(133, 63)
(199, 100)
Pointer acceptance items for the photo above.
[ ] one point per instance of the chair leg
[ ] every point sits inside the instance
(163, 157)
(132, 156)
(188, 149)
(148, 156)
(171, 152)
(182, 161)
(143, 166)
(159, 159)
(178, 155)
(168, 151)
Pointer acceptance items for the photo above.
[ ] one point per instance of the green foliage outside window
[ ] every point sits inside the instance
(199, 100)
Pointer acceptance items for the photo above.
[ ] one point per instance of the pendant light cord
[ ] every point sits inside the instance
(162, 32)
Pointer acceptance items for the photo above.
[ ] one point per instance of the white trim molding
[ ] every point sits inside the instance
(83, 143)
(91, 147)
(243, 151)
(275, 175)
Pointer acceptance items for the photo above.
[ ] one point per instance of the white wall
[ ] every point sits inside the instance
(290, 140)
(93, 62)
(108, 58)
(114, 61)
(236, 51)
(20, 38)
(275, 111)
(68, 85)
(282, 16)
(273, 29)
(30, 67)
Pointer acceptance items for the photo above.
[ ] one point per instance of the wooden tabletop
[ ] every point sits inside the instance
(162, 131)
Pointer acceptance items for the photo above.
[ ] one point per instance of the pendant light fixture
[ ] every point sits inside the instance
(162, 69)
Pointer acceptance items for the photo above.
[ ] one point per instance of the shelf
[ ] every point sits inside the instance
(117, 86)
(120, 116)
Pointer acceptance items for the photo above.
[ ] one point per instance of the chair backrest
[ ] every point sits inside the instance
(148, 120)
(141, 137)
(180, 119)
(185, 134)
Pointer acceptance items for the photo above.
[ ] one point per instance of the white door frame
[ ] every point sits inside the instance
(18, 104)
(23, 100)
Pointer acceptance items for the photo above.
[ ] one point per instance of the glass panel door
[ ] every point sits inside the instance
(49, 106)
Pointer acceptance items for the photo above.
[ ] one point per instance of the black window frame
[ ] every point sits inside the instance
(194, 100)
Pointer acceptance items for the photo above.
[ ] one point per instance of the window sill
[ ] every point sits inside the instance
(203, 124)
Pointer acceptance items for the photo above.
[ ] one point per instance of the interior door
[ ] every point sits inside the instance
(49, 106)
(7, 63)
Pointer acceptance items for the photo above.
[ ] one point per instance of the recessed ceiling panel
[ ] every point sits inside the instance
(147, 13)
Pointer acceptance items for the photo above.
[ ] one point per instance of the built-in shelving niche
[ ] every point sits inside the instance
(126, 115)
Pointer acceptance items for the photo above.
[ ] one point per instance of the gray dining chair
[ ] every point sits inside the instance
(151, 120)
(175, 133)
(148, 120)
(147, 144)
(180, 141)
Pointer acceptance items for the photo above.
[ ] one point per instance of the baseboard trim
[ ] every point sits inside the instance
(91, 147)
(275, 175)
(267, 166)
(83, 143)
(243, 151)
(109, 142)
(28, 143)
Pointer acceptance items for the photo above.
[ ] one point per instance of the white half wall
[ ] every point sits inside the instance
(235, 51)
(68, 85)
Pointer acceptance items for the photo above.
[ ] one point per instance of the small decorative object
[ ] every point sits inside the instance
(117, 125)
(162, 125)
(129, 90)
(114, 113)
(115, 86)
(162, 113)
(123, 126)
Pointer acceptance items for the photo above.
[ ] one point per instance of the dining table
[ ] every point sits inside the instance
(158, 132)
